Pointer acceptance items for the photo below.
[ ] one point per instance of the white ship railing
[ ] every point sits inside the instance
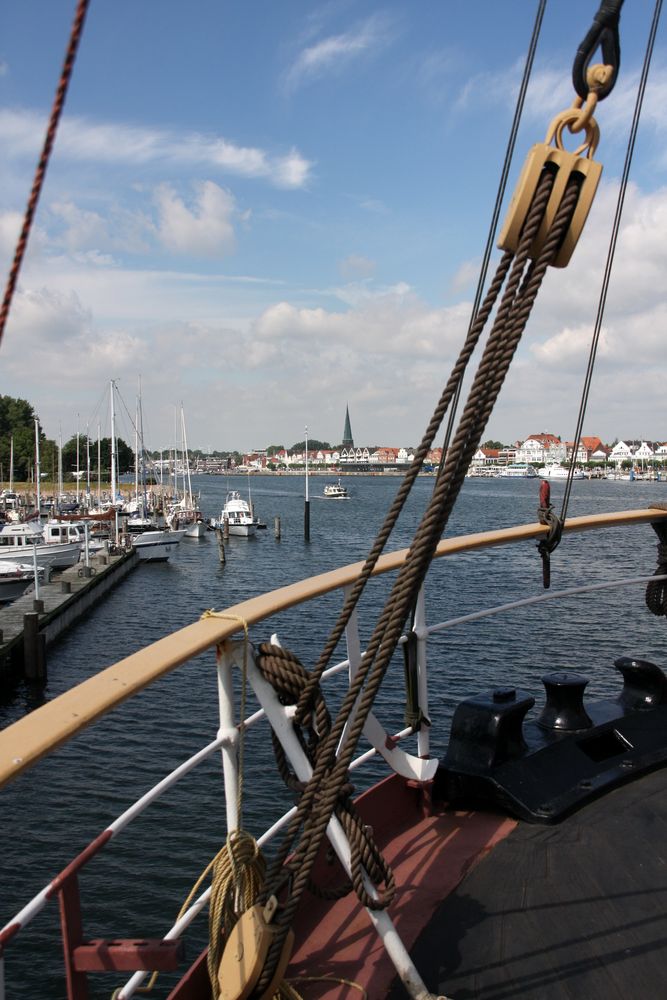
(27, 741)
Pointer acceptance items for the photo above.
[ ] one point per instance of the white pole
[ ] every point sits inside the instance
(78, 470)
(306, 464)
(113, 446)
(36, 568)
(88, 466)
(38, 494)
(99, 467)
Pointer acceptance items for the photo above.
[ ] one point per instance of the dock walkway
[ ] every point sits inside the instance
(27, 626)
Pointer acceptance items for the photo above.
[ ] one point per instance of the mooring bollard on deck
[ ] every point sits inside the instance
(34, 648)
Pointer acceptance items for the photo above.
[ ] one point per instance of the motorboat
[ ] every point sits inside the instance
(15, 578)
(335, 491)
(155, 545)
(554, 470)
(237, 516)
(23, 541)
(518, 470)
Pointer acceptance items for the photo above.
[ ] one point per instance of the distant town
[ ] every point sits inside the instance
(536, 449)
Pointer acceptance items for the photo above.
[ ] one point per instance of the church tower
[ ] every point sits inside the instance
(348, 441)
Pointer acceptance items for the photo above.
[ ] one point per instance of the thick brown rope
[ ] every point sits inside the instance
(330, 772)
(405, 487)
(40, 173)
(288, 676)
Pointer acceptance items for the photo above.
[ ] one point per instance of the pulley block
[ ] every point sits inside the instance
(564, 164)
(245, 953)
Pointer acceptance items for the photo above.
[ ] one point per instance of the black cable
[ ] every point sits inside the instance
(610, 253)
(509, 153)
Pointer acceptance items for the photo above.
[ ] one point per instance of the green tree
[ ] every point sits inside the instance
(313, 445)
(17, 424)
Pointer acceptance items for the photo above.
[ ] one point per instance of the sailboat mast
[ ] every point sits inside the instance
(11, 463)
(186, 459)
(37, 470)
(60, 469)
(113, 445)
(78, 468)
(99, 467)
(144, 503)
(136, 449)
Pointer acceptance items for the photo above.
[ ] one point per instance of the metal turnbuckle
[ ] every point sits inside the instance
(564, 164)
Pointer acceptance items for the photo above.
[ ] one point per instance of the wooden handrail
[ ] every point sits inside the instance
(39, 733)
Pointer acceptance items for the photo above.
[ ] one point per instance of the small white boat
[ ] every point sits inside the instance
(155, 546)
(20, 542)
(15, 578)
(334, 491)
(554, 470)
(237, 516)
(518, 470)
(188, 519)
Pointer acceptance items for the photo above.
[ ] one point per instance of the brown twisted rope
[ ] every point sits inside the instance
(503, 340)
(406, 485)
(40, 173)
(288, 676)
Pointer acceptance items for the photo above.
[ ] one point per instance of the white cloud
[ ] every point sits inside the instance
(356, 266)
(333, 54)
(205, 230)
(112, 143)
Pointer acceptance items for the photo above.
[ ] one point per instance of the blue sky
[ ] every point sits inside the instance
(272, 210)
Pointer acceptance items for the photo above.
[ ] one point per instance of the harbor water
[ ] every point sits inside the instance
(136, 886)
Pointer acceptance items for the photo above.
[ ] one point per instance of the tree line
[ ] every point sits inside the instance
(17, 429)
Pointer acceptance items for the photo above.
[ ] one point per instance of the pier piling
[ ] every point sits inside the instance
(219, 534)
(34, 648)
(276, 527)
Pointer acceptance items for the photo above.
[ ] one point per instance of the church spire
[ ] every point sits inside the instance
(347, 433)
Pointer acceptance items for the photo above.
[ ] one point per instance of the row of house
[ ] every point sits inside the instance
(370, 458)
(542, 449)
(536, 449)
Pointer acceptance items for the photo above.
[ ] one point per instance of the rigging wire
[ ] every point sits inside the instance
(40, 172)
(502, 186)
(611, 252)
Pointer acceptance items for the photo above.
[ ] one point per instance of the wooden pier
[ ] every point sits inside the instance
(29, 626)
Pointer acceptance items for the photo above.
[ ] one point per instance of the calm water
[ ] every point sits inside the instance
(136, 886)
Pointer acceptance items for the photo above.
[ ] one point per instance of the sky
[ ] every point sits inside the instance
(267, 211)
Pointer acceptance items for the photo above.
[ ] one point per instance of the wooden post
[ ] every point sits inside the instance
(34, 658)
(221, 544)
(276, 527)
